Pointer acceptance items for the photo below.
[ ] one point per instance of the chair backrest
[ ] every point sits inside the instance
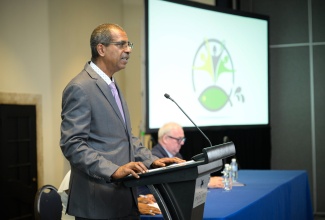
(48, 205)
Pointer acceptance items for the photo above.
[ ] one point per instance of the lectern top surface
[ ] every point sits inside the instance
(173, 166)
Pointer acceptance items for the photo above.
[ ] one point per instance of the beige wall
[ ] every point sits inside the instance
(25, 64)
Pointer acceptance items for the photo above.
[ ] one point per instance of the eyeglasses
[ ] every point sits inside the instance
(179, 140)
(123, 44)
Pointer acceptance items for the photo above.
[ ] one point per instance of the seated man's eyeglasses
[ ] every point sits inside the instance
(179, 140)
(123, 44)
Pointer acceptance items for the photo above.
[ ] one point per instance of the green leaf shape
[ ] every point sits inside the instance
(213, 98)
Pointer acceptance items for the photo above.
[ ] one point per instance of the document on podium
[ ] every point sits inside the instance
(173, 166)
(189, 163)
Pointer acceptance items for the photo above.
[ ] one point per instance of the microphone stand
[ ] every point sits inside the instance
(168, 97)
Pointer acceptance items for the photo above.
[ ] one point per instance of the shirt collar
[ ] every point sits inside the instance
(169, 154)
(101, 73)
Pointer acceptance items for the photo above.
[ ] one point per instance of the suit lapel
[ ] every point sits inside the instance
(163, 152)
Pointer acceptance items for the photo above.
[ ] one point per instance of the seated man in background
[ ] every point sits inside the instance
(170, 141)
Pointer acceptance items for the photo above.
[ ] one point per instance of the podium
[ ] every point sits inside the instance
(181, 189)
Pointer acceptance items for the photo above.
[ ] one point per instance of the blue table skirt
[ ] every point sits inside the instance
(267, 194)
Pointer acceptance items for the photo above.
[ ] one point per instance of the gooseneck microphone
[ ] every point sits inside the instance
(168, 97)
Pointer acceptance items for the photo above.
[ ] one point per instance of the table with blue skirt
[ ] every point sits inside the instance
(266, 194)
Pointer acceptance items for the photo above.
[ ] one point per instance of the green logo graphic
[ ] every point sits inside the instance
(213, 76)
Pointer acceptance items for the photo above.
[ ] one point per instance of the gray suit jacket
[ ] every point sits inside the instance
(96, 141)
(160, 152)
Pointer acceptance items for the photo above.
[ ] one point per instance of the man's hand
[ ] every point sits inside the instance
(216, 182)
(146, 209)
(146, 199)
(132, 168)
(162, 162)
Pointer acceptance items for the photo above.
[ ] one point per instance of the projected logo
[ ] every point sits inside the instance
(213, 76)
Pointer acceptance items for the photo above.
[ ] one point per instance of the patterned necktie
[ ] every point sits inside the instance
(117, 98)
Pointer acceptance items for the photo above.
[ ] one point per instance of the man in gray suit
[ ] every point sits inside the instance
(96, 135)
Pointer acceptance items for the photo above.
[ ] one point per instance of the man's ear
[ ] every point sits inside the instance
(101, 49)
(164, 138)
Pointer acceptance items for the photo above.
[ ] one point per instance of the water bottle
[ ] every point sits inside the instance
(234, 169)
(227, 178)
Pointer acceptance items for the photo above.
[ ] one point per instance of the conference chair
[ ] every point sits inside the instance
(48, 205)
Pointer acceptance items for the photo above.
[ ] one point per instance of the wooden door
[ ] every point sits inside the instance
(18, 161)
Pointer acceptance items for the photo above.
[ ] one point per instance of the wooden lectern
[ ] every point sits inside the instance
(181, 189)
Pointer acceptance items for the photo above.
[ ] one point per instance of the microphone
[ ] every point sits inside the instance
(170, 98)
